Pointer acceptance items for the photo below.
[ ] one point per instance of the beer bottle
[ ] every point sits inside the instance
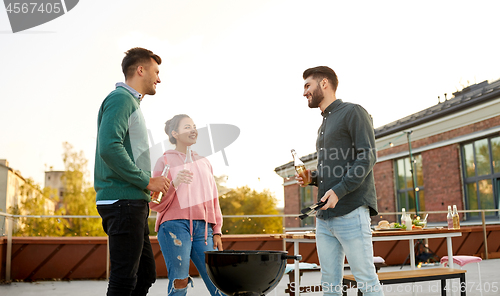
(300, 168)
(403, 216)
(157, 196)
(449, 218)
(188, 159)
(409, 223)
(456, 218)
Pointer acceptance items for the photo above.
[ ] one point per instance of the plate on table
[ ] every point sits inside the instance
(387, 229)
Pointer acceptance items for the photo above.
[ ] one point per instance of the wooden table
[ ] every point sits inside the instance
(420, 234)
(411, 236)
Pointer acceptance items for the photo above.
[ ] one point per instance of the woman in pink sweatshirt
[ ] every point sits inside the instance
(189, 218)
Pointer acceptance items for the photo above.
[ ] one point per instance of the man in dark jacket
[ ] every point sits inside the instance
(344, 177)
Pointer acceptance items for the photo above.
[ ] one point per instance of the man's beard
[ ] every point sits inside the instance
(316, 98)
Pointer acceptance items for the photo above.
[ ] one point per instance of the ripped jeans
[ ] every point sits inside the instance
(177, 248)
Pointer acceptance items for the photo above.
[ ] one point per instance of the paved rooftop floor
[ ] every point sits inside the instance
(490, 276)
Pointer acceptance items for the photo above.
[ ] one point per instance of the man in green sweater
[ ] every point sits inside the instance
(346, 155)
(122, 175)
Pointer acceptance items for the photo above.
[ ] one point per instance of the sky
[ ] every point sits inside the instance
(238, 63)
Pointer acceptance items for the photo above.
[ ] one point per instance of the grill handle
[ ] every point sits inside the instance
(297, 257)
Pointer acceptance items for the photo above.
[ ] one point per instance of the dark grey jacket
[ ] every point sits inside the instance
(346, 156)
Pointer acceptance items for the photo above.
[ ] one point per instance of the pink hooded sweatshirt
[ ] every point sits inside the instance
(196, 201)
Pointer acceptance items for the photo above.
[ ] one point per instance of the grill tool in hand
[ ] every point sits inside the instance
(310, 210)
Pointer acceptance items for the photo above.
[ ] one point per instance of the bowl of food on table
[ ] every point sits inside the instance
(384, 225)
(419, 224)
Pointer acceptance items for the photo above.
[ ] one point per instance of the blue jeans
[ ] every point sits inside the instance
(177, 248)
(348, 235)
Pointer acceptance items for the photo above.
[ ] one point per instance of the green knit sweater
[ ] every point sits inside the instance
(122, 165)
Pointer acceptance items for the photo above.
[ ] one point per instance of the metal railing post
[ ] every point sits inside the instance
(485, 237)
(8, 259)
(284, 232)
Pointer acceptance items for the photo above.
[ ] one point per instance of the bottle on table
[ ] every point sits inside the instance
(403, 216)
(300, 168)
(449, 218)
(456, 218)
(157, 196)
(409, 223)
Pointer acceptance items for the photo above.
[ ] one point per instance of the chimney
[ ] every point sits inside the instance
(4, 162)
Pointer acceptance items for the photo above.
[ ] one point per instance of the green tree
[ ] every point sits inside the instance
(246, 201)
(37, 202)
(79, 195)
(219, 181)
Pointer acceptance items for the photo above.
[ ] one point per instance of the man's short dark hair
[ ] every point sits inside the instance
(320, 72)
(135, 57)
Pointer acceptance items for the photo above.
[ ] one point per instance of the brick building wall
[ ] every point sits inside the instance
(441, 166)
(442, 179)
(384, 184)
(292, 204)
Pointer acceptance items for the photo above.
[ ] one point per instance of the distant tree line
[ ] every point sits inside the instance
(79, 199)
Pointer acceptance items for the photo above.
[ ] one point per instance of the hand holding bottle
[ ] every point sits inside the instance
(158, 195)
(302, 175)
(184, 176)
(158, 184)
(301, 180)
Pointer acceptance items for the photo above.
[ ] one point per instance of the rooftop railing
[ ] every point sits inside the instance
(486, 218)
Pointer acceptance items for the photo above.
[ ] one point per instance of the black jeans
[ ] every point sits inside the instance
(133, 269)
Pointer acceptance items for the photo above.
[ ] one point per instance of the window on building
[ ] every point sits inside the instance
(481, 167)
(404, 184)
(307, 199)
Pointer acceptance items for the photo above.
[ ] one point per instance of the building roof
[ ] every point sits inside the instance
(16, 172)
(470, 96)
(466, 98)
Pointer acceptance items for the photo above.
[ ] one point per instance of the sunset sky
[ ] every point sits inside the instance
(239, 63)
